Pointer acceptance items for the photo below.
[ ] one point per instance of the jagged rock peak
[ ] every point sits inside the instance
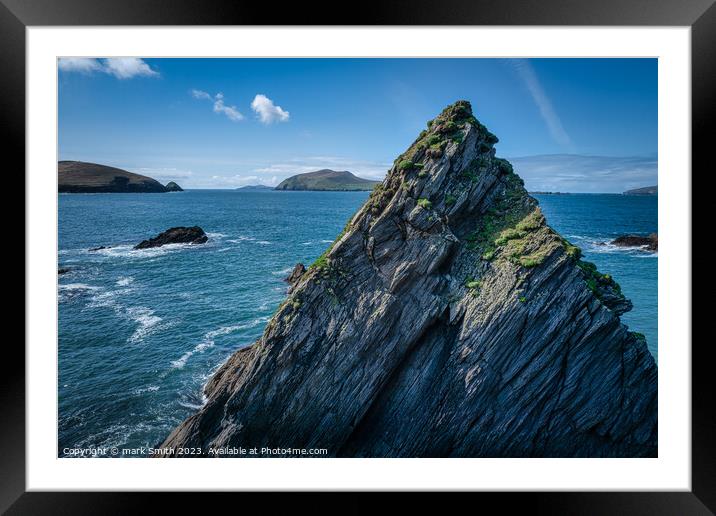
(448, 319)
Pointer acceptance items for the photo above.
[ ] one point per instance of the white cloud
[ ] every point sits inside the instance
(230, 111)
(589, 174)
(198, 94)
(361, 168)
(233, 181)
(527, 73)
(165, 173)
(79, 64)
(220, 106)
(272, 174)
(119, 67)
(128, 67)
(267, 111)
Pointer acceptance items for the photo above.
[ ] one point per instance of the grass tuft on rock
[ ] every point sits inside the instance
(405, 165)
(424, 203)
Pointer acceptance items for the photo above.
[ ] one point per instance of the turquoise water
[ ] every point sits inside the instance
(141, 331)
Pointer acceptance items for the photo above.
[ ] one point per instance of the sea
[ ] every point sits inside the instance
(141, 331)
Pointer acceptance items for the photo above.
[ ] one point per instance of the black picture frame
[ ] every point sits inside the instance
(700, 15)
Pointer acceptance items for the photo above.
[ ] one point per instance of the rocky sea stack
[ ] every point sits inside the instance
(178, 235)
(447, 320)
(171, 186)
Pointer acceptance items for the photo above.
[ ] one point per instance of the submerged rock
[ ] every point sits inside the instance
(650, 243)
(63, 270)
(447, 320)
(93, 249)
(178, 235)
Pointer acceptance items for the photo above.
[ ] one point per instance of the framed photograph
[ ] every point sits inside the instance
(445, 250)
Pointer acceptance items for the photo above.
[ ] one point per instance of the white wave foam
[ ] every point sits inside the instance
(193, 406)
(148, 322)
(181, 361)
(282, 272)
(216, 235)
(142, 390)
(108, 299)
(607, 248)
(77, 286)
(68, 291)
(241, 239)
(124, 281)
(128, 251)
(208, 340)
(263, 242)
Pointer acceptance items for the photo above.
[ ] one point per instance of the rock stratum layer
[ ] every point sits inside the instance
(448, 320)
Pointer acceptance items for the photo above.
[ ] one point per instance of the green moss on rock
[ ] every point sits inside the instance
(425, 203)
(405, 165)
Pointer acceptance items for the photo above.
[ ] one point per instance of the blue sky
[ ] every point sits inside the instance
(586, 125)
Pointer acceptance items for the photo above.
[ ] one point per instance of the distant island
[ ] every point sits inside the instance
(646, 190)
(327, 180)
(255, 187)
(82, 177)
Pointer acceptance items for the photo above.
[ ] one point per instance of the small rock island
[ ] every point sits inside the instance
(649, 243)
(178, 235)
(171, 186)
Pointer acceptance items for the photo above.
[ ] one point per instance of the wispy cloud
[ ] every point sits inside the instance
(362, 168)
(231, 112)
(233, 181)
(79, 64)
(198, 94)
(527, 73)
(165, 173)
(128, 67)
(590, 174)
(267, 111)
(119, 67)
(271, 174)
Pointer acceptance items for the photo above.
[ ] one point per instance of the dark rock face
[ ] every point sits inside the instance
(173, 187)
(298, 271)
(650, 243)
(178, 235)
(63, 270)
(448, 320)
(93, 249)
